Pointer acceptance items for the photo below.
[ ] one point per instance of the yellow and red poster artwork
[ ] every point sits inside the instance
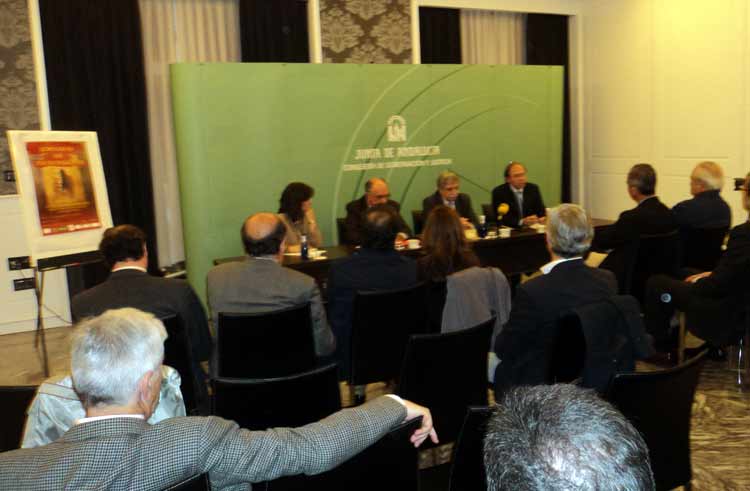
(64, 189)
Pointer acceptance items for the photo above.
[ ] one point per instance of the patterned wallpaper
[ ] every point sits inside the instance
(18, 108)
(365, 31)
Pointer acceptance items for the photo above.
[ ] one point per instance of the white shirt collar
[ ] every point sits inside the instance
(111, 416)
(551, 265)
(137, 268)
(516, 190)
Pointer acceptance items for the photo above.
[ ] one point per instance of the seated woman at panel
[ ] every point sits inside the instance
(296, 211)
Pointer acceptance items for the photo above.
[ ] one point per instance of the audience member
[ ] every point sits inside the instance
(445, 247)
(447, 194)
(714, 301)
(56, 407)
(129, 285)
(296, 211)
(707, 209)
(259, 283)
(376, 266)
(524, 343)
(376, 193)
(524, 200)
(116, 364)
(562, 437)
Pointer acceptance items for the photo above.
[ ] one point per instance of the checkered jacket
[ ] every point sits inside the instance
(129, 454)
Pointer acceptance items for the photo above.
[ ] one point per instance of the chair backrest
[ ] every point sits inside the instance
(568, 353)
(659, 406)
(178, 354)
(657, 254)
(391, 463)
(467, 469)
(341, 229)
(196, 483)
(418, 218)
(381, 325)
(14, 400)
(263, 345)
(447, 373)
(701, 247)
(294, 400)
(489, 214)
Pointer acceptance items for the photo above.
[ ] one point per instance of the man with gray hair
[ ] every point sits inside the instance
(116, 363)
(524, 342)
(448, 184)
(562, 437)
(707, 209)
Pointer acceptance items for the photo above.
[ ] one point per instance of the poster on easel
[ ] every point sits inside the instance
(62, 189)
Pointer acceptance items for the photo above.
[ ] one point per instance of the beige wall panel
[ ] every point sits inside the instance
(608, 195)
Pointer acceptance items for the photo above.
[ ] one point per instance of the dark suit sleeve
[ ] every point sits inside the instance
(499, 196)
(681, 213)
(402, 226)
(540, 210)
(617, 234)
(353, 224)
(732, 271)
(196, 323)
(427, 205)
(521, 326)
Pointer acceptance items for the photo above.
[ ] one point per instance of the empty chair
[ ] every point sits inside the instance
(467, 469)
(701, 247)
(659, 406)
(268, 344)
(447, 373)
(418, 218)
(178, 354)
(294, 400)
(14, 400)
(489, 214)
(381, 326)
(195, 483)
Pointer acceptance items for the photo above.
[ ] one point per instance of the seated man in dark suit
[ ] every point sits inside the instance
(376, 266)
(129, 285)
(447, 194)
(116, 364)
(707, 209)
(523, 199)
(259, 283)
(714, 301)
(556, 437)
(376, 193)
(524, 343)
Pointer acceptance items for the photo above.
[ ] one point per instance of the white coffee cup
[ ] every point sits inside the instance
(504, 233)
(413, 243)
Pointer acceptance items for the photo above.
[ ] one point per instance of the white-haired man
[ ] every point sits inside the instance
(116, 363)
(522, 345)
(706, 209)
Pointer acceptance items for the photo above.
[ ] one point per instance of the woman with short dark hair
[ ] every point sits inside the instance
(296, 211)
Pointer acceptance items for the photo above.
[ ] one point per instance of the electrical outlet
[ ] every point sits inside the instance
(9, 176)
(23, 284)
(19, 262)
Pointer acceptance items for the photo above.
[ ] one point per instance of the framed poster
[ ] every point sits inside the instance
(62, 189)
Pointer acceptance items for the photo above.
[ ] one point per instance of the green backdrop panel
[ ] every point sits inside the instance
(244, 131)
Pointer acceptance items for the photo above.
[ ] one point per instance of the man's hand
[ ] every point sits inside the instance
(530, 220)
(419, 436)
(695, 277)
(466, 223)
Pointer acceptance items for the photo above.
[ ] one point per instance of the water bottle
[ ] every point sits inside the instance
(482, 228)
(303, 251)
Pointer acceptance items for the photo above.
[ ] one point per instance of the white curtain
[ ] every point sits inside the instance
(178, 31)
(492, 38)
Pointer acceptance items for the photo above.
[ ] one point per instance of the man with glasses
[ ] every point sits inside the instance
(376, 193)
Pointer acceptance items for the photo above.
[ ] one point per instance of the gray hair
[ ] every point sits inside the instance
(710, 174)
(446, 177)
(569, 230)
(110, 353)
(556, 437)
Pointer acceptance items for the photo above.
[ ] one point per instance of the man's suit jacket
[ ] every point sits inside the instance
(263, 285)
(525, 341)
(463, 206)
(160, 296)
(365, 270)
(650, 217)
(706, 210)
(129, 454)
(355, 214)
(532, 203)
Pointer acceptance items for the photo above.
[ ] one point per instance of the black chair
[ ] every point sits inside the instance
(196, 483)
(14, 401)
(341, 228)
(295, 400)
(391, 463)
(467, 470)
(490, 215)
(659, 406)
(418, 218)
(701, 247)
(568, 354)
(381, 326)
(263, 345)
(178, 354)
(447, 373)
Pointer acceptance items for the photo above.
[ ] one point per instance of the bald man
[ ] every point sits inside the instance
(376, 193)
(259, 283)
